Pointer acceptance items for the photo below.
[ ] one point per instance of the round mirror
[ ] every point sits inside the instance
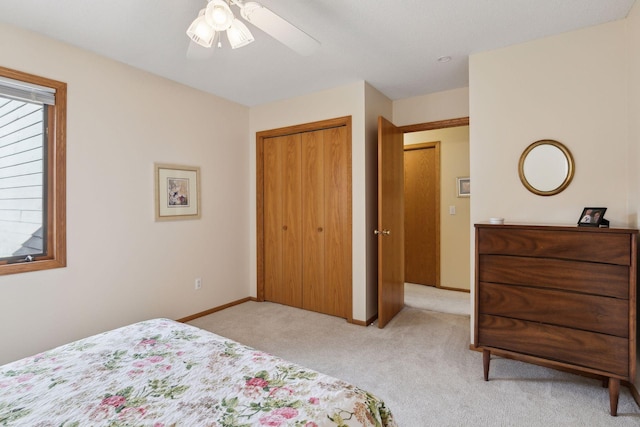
(546, 167)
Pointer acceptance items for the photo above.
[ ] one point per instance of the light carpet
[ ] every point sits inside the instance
(421, 366)
(436, 299)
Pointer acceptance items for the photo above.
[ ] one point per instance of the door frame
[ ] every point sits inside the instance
(288, 130)
(440, 124)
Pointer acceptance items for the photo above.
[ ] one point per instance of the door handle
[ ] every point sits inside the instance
(383, 232)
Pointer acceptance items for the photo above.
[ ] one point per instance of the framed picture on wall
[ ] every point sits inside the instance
(463, 186)
(177, 194)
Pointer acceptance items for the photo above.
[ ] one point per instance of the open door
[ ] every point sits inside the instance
(390, 221)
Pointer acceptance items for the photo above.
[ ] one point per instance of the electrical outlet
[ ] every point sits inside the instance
(198, 283)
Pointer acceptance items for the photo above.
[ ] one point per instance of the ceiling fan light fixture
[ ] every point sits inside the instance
(218, 14)
(217, 17)
(238, 34)
(200, 31)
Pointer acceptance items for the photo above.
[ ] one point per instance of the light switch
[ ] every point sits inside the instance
(452, 210)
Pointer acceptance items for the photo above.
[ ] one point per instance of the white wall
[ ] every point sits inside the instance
(123, 266)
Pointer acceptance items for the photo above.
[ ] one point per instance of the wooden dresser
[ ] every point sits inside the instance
(563, 297)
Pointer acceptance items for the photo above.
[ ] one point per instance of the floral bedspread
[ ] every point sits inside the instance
(162, 373)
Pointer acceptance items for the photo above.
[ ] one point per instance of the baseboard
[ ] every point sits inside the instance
(363, 323)
(213, 310)
(447, 288)
(243, 300)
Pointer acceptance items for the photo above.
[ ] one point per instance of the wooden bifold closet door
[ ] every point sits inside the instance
(307, 224)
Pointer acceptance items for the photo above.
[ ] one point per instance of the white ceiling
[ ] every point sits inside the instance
(391, 44)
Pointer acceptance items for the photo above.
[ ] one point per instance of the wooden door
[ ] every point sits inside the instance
(422, 213)
(282, 220)
(390, 221)
(326, 226)
(337, 228)
(313, 275)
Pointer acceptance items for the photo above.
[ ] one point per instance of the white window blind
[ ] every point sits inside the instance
(27, 91)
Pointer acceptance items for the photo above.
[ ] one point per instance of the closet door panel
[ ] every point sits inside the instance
(273, 219)
(282, 224)
(313, 277)
(292, 227)
(337, 230)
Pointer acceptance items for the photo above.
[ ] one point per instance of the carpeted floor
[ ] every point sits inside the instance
(435, 299)
(421, 365)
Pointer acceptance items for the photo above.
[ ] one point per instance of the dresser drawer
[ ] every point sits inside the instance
(587, 312)
(593, 278)
(609, 248)
(588, 349)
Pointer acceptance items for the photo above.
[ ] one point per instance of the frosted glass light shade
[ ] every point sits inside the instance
(238, 34)
(200, 31)
(219, 15)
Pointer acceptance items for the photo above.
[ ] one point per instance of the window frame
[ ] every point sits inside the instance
(55, 179)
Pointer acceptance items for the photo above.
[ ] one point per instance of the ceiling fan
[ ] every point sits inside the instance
(217, 18)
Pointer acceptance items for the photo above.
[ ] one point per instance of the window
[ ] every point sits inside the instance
(32, 172)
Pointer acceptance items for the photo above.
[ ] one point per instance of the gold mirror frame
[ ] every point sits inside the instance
(570, 167)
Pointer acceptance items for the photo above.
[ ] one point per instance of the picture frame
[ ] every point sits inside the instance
(592, 217)
(177, 192)
(463, 186)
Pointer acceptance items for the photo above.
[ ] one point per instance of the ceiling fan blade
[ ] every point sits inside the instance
(278, 28)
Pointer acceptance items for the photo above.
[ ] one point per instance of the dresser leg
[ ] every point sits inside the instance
(486, 359)
(614, 393)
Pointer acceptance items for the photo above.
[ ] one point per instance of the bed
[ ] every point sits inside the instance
(162, 373)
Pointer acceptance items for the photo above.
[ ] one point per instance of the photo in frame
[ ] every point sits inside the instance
(463, 186)
(593, 217)
(177, 192)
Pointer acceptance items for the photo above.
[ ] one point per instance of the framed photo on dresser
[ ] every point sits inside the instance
(592, 217)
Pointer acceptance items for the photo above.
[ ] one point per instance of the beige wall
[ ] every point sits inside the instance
(454, 229)
(123, 266)
(449, 104)
(633, 52)
(572, 87)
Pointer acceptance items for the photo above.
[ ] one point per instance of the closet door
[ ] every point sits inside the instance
(313, 233)
(306, 220)
(282, 220)
(326, 226)
(337, 226)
